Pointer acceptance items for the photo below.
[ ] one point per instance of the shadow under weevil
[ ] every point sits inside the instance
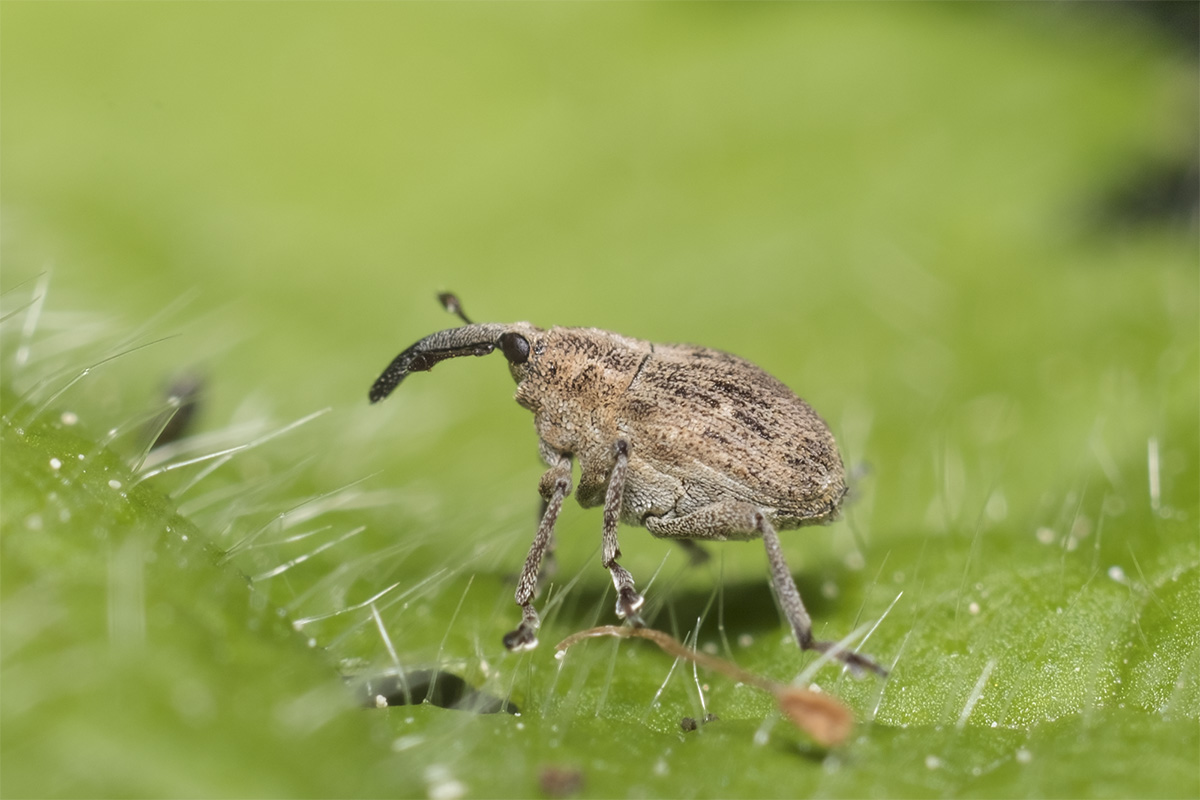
(684, 441)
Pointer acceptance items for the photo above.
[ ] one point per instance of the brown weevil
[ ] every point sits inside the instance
(686, 442)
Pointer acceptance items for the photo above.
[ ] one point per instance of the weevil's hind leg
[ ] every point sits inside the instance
(555, 486)
(793, 606)
(628, 599)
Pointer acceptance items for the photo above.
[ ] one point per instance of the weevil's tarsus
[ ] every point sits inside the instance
(555, 486)
(451, 303)
(858, 664)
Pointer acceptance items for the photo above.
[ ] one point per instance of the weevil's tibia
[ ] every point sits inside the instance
(555, 486)
(793, 606)
(628, 599)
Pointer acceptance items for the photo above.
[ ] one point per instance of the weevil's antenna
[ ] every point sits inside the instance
(449, 301)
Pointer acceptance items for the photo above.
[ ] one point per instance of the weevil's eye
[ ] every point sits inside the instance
(515, 348)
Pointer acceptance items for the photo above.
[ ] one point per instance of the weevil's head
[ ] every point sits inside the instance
(519, 342)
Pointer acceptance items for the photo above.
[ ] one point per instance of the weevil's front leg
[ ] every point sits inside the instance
(555, 486)
(628, 599)
(793, 606)
(549, 566)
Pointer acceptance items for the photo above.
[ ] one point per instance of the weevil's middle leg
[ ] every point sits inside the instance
(628, 599)
(555, 486)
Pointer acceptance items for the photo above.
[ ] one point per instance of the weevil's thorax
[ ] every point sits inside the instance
(573, 382)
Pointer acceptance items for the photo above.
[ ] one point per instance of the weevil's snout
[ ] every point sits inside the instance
(468, 340)
(516, 342)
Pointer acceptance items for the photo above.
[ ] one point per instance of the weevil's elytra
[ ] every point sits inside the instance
(687, 442)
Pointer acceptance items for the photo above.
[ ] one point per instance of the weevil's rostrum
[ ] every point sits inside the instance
(687, 442)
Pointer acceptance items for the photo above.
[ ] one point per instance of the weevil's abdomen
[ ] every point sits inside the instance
(726, 429)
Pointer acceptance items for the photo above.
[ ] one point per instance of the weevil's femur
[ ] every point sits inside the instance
(468, 340)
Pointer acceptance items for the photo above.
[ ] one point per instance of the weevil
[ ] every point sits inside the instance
(687, 442)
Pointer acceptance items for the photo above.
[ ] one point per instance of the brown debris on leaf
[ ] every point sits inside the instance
(822, 717)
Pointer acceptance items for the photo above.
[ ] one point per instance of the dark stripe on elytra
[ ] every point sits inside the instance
(739, 391)
(685, 392)
(753, 424)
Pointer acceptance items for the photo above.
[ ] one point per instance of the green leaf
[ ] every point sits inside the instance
(929, 220)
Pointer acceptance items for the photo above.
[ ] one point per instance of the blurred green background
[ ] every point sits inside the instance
(966, 234)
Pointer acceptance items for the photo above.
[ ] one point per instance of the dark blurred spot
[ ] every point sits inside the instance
(184, 397)
(560, 781)
(688, 724)
(1155, 193)
(1179, 21)
(436, 687)
(696, 553)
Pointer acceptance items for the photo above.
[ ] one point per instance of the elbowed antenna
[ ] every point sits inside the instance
(468, 340)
